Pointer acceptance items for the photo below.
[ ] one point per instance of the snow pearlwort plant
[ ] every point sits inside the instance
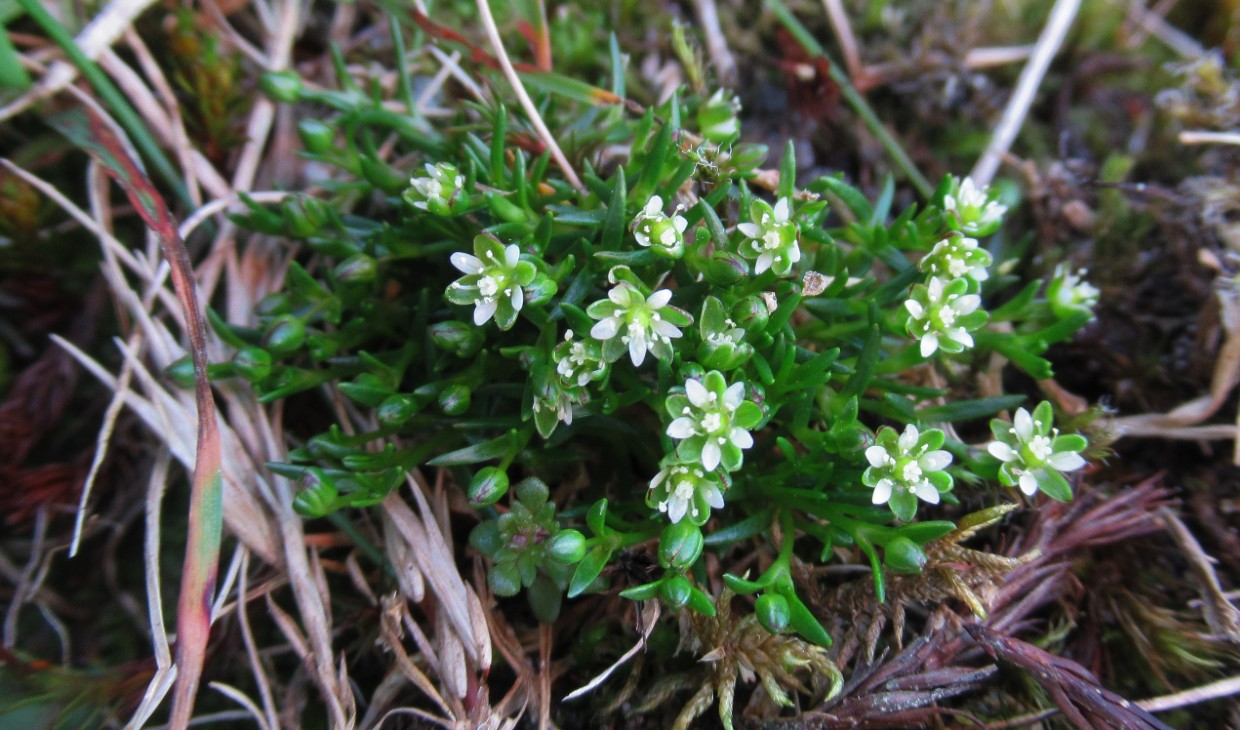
(755, 368)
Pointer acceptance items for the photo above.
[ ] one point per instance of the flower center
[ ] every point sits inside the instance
(771, 240)
(488, 286)
(911, 473)
(712, 422)
(684, 491)
(1040, 448)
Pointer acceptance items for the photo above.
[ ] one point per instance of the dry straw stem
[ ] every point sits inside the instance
(99, 34)
(531, 111)
(1061, 17)
(1222, 617)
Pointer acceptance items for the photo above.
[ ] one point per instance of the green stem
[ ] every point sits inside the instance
(112, 96)
(854, 99)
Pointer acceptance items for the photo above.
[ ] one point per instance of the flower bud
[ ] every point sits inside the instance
(504, 209)
(282, 86)
(454, 399)
(458, 338)
(318, 495)
(902, 555)
(680, 545)
(317, 137)
(396, 409)
(567, 546)
(676, 591)
(540, 291)
(487, 486)
(726, 269)
(303, 215)
(381, 175)
(181, 372)
(253, 363)
(773, 612)
(751, 314)
(357, 269)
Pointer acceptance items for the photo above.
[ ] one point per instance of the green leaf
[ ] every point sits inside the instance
(615, 223)
(1054, 485)
(852, 198)
(964, 410)
(924, 532)
(617, 66)
(788, 172)
(743, 530)
(12, 74)
(494, 449)
(588, 570)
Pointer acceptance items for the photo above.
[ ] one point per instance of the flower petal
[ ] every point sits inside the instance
(960, 335)
(781, 210)
(711, 455)
(682, 428)
(908, 439)
(966, 303)
(710, 492)
(929, 343)
(877, 456)
(752, 230)
(605, 329)
(484, 310)
(1001, 451)
(734, 396)
(517, 297)
(1028, 483)
(659, 299)
(466, 263)
(935, 460)
(1023, 423)
(676, 508)
(1066, 461)
(882, 491)
(637, 346)
(654, 206)
(926, 492)
(915, 310)
(741, 438)
(512, 255)
(697, 393)
(663, 328)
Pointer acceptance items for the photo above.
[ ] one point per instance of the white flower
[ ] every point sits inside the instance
(712, 421)
(640, 325)
(1034, 453)
(493, 281)
(665, 234)
(681, 490)
(771, 237)
(957, 257)
(440, 191)
(1069, 293)
(941, 315)
(907, 467)
(972, 209)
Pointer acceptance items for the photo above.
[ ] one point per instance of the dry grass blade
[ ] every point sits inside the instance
(103, 30)
(1222, 617)
(1062, 15)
